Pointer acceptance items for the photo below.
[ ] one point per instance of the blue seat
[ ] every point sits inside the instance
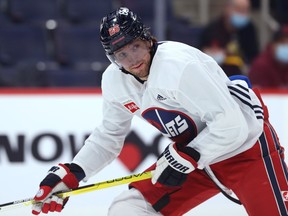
(27, 75)
(71, 77)
(23, 43)
(4, 18)
(8, 76)
(33, 10)
(146, 11)
(77, 11)
(77, 43)
(184, 33)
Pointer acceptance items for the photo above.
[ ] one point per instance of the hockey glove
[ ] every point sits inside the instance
(174, 164)
(59, 178)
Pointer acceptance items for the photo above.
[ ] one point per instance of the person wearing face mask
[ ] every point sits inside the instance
(270, 68)
(234, 25)
(227, 58)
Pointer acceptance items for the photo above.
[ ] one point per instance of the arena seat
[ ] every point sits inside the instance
(184, 33)
(33, 10)
(23, 43)
(90, 11)
(79, 43)
(70, 77)
(146, 11)
(26, 75)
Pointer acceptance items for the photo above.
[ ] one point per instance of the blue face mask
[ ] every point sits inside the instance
(281, 53)
(218, 57)
(239, 20)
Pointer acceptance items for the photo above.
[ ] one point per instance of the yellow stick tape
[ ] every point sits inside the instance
(106, 184)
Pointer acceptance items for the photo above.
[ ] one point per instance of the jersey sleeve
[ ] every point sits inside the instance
(106, 141)
(203, 92)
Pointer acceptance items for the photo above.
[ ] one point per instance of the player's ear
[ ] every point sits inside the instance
(150, 43)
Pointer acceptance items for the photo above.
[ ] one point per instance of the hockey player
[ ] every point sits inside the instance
(216, 126)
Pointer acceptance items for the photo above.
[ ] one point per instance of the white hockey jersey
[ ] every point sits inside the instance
(187, 97)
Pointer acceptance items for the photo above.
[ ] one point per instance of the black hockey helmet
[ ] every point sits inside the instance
(120, 28)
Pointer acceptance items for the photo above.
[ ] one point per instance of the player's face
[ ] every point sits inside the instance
(135, 58)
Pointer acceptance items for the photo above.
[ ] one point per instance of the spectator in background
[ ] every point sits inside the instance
(233, 27)
(228, 58)
(270, 68)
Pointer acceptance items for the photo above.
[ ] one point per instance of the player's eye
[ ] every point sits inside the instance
(135, 47)
(121, 56)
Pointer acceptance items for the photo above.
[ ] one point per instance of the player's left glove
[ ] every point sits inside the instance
(174, 164)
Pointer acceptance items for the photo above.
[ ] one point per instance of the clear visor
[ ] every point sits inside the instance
(130, 54)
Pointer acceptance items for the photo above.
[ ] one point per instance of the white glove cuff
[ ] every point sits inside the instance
(58, 170)
(176, 161)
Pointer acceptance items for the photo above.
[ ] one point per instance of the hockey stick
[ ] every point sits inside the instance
(84, 189)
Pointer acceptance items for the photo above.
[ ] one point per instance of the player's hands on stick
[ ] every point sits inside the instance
(174, 164)
(59, 178)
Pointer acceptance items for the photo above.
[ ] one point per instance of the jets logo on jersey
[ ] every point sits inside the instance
(131, 106)
(173, 124)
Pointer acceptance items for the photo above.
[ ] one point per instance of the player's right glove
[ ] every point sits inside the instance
(59, 178)
(174, 164)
